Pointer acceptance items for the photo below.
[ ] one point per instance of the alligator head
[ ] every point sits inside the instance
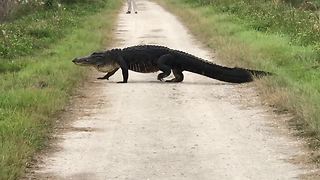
(102, 61)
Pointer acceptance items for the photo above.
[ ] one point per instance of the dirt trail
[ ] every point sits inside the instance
(199, 129)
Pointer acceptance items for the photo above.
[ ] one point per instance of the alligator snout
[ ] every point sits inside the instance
(77, 61)
(82, 61)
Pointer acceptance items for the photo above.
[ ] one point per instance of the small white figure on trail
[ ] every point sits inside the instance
(132, 6)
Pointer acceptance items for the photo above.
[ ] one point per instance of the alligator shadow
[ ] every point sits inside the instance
(184, 83)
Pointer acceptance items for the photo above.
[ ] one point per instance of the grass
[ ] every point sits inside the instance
(37, 29)
(35, 87)
(296, 85)
(300, 24)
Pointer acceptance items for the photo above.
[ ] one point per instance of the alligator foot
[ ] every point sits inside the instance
(103, 78)
(161, 76)
(121, 82)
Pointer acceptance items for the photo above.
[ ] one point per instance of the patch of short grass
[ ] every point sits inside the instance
(36, 87)
(296, 85)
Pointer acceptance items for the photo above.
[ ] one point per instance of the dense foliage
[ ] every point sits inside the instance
(37, 29)
(299, 19)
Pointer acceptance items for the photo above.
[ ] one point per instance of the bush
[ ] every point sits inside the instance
(31, 33)
(276, 16)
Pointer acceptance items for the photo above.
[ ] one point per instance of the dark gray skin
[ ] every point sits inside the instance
(97, 60)
(150, 58)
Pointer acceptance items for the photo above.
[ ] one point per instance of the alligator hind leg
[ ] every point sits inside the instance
(178, 76)
(162, 65)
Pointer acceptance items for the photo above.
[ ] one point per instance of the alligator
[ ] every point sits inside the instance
(152, 58)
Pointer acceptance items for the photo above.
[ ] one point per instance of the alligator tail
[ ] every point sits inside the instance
(235, 75)
(206, 68)
(226, 74)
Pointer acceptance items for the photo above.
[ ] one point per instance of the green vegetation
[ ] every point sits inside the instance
(34, 30)
(35, 86)
(262, 35)
(302, 26)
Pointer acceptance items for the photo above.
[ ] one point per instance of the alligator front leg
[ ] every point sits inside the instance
(109, 74)
(124, 68)
(162, 65)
